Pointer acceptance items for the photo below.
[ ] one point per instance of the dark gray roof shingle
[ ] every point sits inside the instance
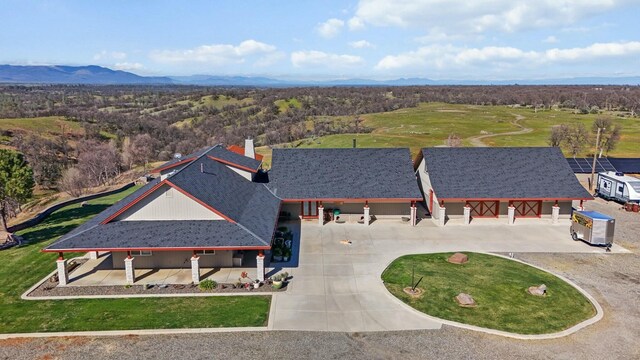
(220, 152)
(501, 173)
(161, 234)
(252, 207)
(381, 173)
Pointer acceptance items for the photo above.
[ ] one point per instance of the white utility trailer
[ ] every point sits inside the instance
(617, 186)
(592, 227)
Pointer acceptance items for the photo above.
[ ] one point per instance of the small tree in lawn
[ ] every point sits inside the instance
(558, 135)
(453, 140)
(16, 184)
(577, 139)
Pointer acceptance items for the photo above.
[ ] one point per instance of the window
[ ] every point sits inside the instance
(141, 253)
(620, 188)
(205, 252)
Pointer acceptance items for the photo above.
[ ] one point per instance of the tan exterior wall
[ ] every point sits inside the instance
(246, 174)
(167, 203)
(174, 259)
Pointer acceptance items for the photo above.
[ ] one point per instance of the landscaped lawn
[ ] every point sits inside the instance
(22, 267)
(499, 287)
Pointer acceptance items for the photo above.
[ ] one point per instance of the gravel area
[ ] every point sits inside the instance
(613, 279)
(49, 288)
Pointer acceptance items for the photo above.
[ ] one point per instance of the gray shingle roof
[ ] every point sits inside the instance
(252, 207)
(381, 173)
(160, 234)
(222, 153)
(219, 152)
(501, 173)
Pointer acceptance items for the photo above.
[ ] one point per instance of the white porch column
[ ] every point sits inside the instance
(442, 215)
(260, 266)
(414, 214)
(467, 214)
(320, 214)
(512, 214)
(581, 207)
(195, 268)
(93, 255)
(555, 213)
(367, 218)
(63, 274)
(129, 270)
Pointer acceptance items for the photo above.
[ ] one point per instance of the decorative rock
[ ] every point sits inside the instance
(458, 258)
(538, 290)
(465, 300)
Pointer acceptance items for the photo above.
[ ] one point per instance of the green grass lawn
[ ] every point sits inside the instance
(22, 267)
(42, 125)
(498, 285)
(430, 124)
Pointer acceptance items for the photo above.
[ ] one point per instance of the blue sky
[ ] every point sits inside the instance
(380, 39)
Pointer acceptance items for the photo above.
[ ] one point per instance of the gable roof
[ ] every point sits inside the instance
(240, 151)
(501, 173)
(250, 209)
(379, 173)
(218, 153)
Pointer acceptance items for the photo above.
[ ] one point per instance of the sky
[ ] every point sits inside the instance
(374, 39)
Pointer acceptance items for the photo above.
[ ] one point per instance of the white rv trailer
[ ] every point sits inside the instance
(617, 186)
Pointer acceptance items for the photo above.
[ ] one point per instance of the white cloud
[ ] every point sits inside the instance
(110, 55)
(361, 44)
(216, 54)
(128, 66)
(315, 58)
(270, 59)
(479, 16)
(355, 23)
(330, 28)
(550, 39)
(451, 57)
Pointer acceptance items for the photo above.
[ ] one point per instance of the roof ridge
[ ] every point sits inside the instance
(251, 233)
(204, 153)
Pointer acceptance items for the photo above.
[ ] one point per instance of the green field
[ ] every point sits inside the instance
(49, 125)
(430, 124)
(22, 267)
(499, 287)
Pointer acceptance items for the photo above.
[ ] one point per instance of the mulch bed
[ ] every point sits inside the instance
(50, 288)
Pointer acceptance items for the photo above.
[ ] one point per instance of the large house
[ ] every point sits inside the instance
(509, 182)
(206, 212)
(349, 184)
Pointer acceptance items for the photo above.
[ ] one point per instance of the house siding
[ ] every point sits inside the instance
(166, 203)
(246, 174)
(174, 260)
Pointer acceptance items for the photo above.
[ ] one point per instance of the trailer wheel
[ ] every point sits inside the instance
(574, 236)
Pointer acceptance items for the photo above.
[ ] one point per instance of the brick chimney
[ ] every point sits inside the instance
(249, 150)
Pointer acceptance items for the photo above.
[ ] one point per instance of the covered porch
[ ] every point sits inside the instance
(104, 269)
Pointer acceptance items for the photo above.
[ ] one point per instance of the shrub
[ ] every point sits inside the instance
(207, 284)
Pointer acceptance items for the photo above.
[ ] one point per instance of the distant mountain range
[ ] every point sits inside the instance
(98, 75)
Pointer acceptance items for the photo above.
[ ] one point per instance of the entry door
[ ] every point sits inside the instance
(484, 208)
(528, 208)
(309, 209)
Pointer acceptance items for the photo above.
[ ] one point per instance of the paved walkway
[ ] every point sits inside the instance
(337, 287)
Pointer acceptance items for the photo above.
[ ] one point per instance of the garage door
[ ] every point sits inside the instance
(484, 208)
(531, 208)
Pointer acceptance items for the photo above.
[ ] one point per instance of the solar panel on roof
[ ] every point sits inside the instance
(584, 165)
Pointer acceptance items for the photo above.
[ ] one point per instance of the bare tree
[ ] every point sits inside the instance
(100, 162)
(138, 151)
(577, 139)
(453, 140)
(73, 182)
(558, 135)
(609, 134)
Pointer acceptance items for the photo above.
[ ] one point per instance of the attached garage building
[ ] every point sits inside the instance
(360, 184)
(509, 182)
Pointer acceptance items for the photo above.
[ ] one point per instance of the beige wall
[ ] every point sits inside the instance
(246, 174)
(167, 203)
(425, 184)
(173, 259)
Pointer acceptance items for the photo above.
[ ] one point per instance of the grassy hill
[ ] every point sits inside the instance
(431, 123)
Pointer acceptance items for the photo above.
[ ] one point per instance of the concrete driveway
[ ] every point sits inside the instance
(337, 287)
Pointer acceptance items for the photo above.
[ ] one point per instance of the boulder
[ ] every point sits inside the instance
(465, 300)
(538, 290)
(458, 258)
